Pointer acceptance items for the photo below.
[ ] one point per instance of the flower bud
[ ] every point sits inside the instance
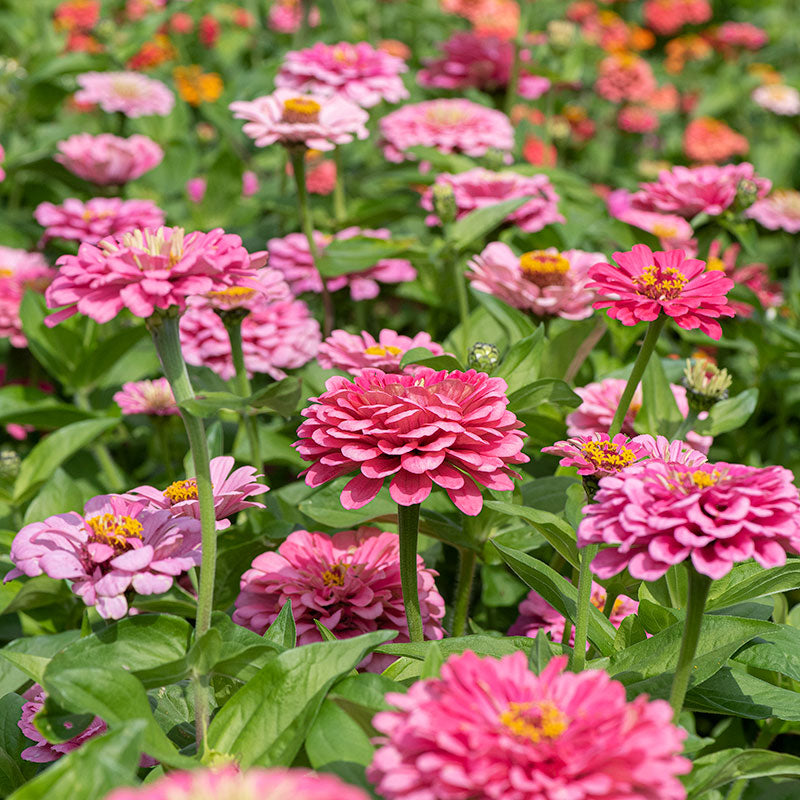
(746, 193)
(444, 202)
(483, 357)
(9, 465)
(706, 384)
(561, 33)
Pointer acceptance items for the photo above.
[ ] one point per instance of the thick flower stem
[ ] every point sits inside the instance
(695, 605)
(339, 197)
(407, 528)
(648, 345)
(466, 574)
(167, 343)
(298, 157)
(584, 600)
(243, 390)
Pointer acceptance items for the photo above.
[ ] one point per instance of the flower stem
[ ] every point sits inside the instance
(584, 600)
(339, 197)
(466, 574)
(243, 389)
(648, 345)
(164, 330)
(407, 528)
(298, 157)
(695, 605)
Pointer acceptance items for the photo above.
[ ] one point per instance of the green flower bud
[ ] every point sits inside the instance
(444, 202)
(9, 465)
(705, 384)
(483, 357)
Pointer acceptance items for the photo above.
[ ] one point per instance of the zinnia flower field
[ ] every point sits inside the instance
(399, 400)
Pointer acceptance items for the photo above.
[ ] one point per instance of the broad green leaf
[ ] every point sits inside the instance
(33, 654)
(26, 405)
(748, 580)
(324, 506)
(551, 493)
(728, 415)
(209, 404)
(520, 365)
(725, 766)
(546, 390)
(776, 651)
(472, 227)
(281, 397)
(35, 593)
(58, 495)
(517, 324)
(482, 645)
(571, 347)
(14, 771)
(357, 254)
(424, 357)
(335, 736)
(243, 651)
(283, 631)
(540, 653)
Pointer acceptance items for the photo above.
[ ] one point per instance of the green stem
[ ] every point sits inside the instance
(339, 197)
(167, 343)
(298, 158)
(243, 389)
(584, 600)
(695, 605)
(114, 477)
(686, 426)
(407, 529)
(451, 260)
(648, 345)
(513, 78)
(737, 788)
(466, 574)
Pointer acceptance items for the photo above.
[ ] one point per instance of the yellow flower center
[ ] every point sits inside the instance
(181, 490)
(5, 272)
(127, 87)
(543, 268)
(608, 455)
(715, 264)
(345, 53)
(301, 109)
(233, 297)
(702, 480)
(383, 350)
(664, 231)
(114, 530)
(445, 115)
(335, 575)
(659, 283)
(534, 721)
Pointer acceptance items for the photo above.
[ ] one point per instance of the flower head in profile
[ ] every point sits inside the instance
(660, 513)
(295, 118)
(354, 353)
(154, 398)
(646, 284)
(547, 283)
(231, 490)
(350, 582)
(115, 545)
(710, 140)
(108, 160)
(778, 212)
(452, 429)
(20, 271)
(133, 94)
(492, 728)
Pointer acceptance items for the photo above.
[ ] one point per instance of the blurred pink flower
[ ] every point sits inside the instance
(285, 16)
(310, 119)
(96, 219)
(354, 353)
(666, 17)
(449, 428)
(116, 544)
(625, 76)
(778, 98)
(710, 140)
(349, 582)
(196, 189)
(358, 72)
(741, 34)
(637, 119)
(450, 125)
(249, 183)
(780, 211)
(544, 282)
(147, 397)
(107, 159)
(673, 232)
(133, 94)
(19, 271)
(492, 728)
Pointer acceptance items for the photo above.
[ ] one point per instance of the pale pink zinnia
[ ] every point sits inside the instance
(478, 188)
(145, 270)
(354, 353)
(96, 219)
(108, 160)
(133, 94)
(548, 283)
(452, 429)
(491, 728)
(358, 72)
(778, 98)
(19, 271)
(778, 212)
(147, 397)
(115, 545)
(450, 125)
(716, 514)
(311, 119)
(349, 582)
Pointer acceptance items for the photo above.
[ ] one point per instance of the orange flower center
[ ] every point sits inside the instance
(608, 455)
(534, 721)
(301, 109)
(345, 54)
(233, 297)
(543, 268)
(5, 272)
(659, 283)
(383, 350)
(335, 575)
(181, 490)
(114, 530)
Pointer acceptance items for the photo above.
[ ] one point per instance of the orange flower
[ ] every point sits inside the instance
(710, 140)
(195, 86)
(151, 54)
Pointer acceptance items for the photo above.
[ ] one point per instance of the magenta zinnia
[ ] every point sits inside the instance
(452, 429)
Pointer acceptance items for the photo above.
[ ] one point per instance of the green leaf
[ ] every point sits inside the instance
(659, 412)
(725, 766)
(58, 495)
(748, 580)
(517, 324)
(520, 365)
(545, 390)
(26, 405)
(324, 506)
(281, 397)
(98, 360)
(336, 736)
(482, 645)
(14, 771)
(463, 232)
(540, 653)
(32, 654)
(776, 651)
(728, 415)
(424, 357)
(243, 652)
(357, 254)
(208, 404)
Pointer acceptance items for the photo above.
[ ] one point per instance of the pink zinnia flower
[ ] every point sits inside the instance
(292, 257)
(354, 353)
(711, 140)
(96, 219)
(448, 428)
(548, 283)
(625, 76)
(145, 270)
(669, 16)
(285, 16)
(778, 98)
(229, 783)
(637, 119)
(147, 397)
(107, 159)
(492, 728)
(275, 337)
(132, 93)
(478, 188)
(778, 212)
(741, 34)
(357, 72)
(646, 284)
(673, 231)
(231, 492)
(19, 271)
(661, 513)
(350, 582)
(309, 119)
(451, 126)
(116, 544)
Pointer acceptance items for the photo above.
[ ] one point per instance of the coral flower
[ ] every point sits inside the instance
(133, 94)
(231, 492)
(660, 514)
(645, 284)
(625, 76)
(778, 212)
(545, 282)
(358, 72)
(668, 16)
(451, 126)
(145, 270)
(637, 119)
(354, 353)
(291, 118)
(710, 140)
(350, 582)
(285, 16)
(96, 219)
(19, 271)
(478, 188)
(154, 398)
(448, 428)
(76, 15)
(116, 544)
(779, 99)
(107, 159)
(490, 728)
